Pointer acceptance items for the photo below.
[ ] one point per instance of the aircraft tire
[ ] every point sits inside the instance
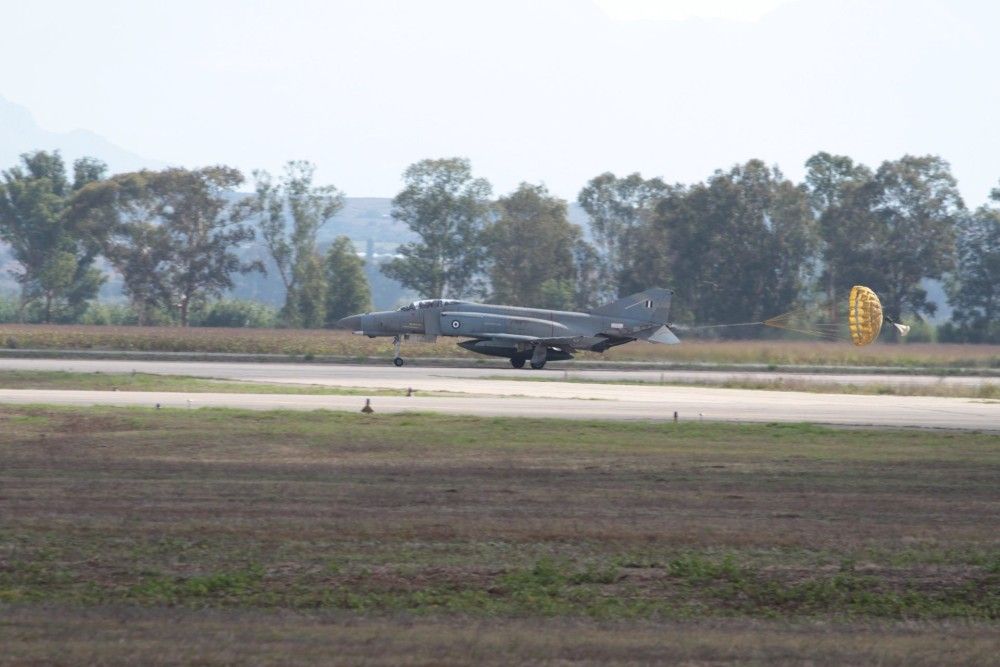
(517, 362)
(538, 367)
(398, 361)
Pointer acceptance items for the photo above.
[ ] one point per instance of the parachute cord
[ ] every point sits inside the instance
(685, 327)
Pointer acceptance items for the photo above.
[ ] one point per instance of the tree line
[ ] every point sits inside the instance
(175, 237)
(742, 245)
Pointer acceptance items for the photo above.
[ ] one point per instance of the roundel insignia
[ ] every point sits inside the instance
(455, 324)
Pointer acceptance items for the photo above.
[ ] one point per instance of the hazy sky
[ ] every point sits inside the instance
(541, 90)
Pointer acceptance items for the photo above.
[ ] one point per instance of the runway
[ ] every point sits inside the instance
(491, 392)
(439, 378)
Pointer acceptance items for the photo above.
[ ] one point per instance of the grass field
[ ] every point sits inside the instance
(226, 535)
(341, 343)
(15, 379)
(987, 389)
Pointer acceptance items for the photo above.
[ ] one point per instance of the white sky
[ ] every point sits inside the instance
(539, 90)
(680, 10)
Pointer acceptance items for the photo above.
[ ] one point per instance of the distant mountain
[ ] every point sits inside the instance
(19, 133)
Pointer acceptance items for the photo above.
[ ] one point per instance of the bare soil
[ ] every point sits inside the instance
(225, 536)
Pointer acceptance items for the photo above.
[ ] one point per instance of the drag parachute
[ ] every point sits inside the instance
(864, 315)
(864, 320)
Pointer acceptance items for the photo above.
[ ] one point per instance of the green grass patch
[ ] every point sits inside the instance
(690, 586)
(16, 379)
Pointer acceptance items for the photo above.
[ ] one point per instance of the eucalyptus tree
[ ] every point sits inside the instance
(974, 286)
(172, 234)
(447, 208)
(55, 255)
(530, 250)
(737, 247)
(842, 195)
(918, 207)
(291, 211)
(617, 206)
(347, 290)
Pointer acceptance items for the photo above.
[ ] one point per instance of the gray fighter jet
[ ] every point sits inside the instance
(524, 334)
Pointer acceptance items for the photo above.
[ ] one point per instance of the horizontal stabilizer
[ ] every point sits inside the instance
(661, 335)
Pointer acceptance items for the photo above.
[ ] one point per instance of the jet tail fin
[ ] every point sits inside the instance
(651, 305)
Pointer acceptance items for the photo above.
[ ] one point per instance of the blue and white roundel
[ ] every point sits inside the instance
(455, 324)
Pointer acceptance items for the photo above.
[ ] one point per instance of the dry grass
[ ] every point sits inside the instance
(343, 344)
(809, 353)
(391, 538)
(986, 389)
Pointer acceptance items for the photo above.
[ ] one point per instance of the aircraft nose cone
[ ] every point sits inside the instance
(351, 323)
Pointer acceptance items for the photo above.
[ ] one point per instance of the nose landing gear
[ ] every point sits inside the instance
(517, 362)
(397, 342)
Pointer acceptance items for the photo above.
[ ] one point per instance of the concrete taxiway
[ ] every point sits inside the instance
(492, 392)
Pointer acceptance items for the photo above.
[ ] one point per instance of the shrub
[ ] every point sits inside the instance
(8, 310)
(235, 313)
(921, 331)
(108, 313)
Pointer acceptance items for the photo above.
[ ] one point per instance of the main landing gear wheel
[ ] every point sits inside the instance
(398, 361)
(517, 362)
(538, 357)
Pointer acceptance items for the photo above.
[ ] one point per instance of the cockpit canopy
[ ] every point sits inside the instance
(429, 303)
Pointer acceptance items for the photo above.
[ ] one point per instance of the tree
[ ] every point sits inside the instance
(294, 249)
(888, 229)
(171, 233)
(739, 244)
(617, 206)
(309, 303)
(530, 249)
(347, 290)
(974, 288)
(447, 208)
(55, 255)
(588, 288)
(842, 195)
(653, 255)
(918, 207)
(139, 251)
(120, 213)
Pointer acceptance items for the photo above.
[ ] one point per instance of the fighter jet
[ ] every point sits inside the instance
(524, 334)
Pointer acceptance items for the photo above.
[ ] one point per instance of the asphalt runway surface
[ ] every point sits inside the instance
(490, 391)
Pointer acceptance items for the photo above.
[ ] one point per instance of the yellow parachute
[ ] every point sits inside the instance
(864, 315)
(864, 320)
